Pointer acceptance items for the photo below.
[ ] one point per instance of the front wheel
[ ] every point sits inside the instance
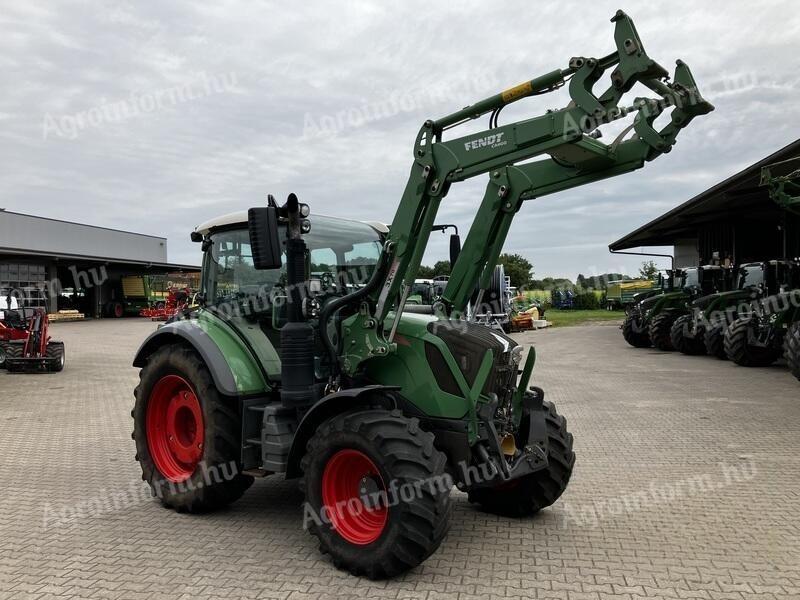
(714, 340)
(634, 332)
(685, 340)
(187, 435)
(377, 494)
(2, 355)
(741, 351)
(56, 356)
(660, 329)
(531, 493)
(792, 349)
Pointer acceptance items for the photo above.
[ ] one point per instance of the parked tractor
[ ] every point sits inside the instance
(375, 409)
(756, 337)
(717, 311)
(688, 332)
(636, 326)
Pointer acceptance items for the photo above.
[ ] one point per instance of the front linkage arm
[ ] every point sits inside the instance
(576, 158)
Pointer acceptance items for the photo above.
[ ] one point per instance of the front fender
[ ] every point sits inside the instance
(327, 407)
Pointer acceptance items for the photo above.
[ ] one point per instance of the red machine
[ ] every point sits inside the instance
(177, 300)
(25, 343)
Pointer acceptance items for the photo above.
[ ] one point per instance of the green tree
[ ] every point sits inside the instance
(518, 268)
(441, 267)
(425, 272)
(648, 270)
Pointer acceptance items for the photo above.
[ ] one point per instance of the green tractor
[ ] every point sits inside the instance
(756, 337)
(636, 326)
(649, 322)
(688, 332)
(715, 312)
(377, 407)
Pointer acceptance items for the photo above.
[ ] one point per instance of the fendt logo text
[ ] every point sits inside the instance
(490, 141)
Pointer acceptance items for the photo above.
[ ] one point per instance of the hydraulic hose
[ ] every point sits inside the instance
(335, 305)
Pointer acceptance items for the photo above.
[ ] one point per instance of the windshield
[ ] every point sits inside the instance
(750, 276)
(691, 277)
(346, 250)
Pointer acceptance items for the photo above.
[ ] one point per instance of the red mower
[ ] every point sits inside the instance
(25, 344)
(177, 300)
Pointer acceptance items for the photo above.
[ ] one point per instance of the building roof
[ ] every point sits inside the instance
(29, 235)
(738, 195)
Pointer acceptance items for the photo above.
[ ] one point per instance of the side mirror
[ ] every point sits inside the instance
(455, 249)
(262, 224)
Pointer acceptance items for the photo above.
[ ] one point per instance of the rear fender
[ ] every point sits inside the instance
(328, 407)
(187, 332)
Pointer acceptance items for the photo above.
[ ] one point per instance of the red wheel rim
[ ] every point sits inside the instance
(349, 477)
(119, 310)
(175, 429)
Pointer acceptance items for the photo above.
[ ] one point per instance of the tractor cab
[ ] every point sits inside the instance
(705, 280)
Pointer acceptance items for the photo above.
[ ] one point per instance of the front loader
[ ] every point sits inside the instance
(378, 408)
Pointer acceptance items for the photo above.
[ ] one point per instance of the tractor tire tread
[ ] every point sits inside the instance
(201, 492)
(538, 490)
(403, 450)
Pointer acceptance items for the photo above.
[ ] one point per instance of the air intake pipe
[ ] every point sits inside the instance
(297, 335)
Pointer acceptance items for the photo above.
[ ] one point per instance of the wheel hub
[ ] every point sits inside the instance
(353, 494)
(175, 428)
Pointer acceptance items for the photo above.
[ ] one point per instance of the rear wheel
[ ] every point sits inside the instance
(714, 340)
(660, 328)
(531, 493)
(187, 435)
(739, 349)
(377, 495)
(56, 357)
(634, 332)
(684, 339)
(14, 350)
(2, 355)
(792, 349)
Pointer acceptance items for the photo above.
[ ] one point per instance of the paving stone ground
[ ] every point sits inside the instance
(687, 485)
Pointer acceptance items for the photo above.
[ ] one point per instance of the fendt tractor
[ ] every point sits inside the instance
(688, 332)
(784, 190)
(377, 409)
(715, 312)
(756, 337)
(649, 321)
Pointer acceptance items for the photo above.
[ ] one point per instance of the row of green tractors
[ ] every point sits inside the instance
(748, 314)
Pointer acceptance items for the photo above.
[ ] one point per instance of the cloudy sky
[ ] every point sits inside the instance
(154, 116)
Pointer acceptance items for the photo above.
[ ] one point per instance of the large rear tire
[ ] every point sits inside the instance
(531, 493)
(682, 339)
(739, 350)
(660, 328)
(792, 349)
(188, 437)
(714, 340)
(377, 494)
(3, 355)
(634, 332)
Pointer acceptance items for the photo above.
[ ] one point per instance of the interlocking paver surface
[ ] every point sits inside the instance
(687, 485)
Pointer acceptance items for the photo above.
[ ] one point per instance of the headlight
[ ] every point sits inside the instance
(516, 355)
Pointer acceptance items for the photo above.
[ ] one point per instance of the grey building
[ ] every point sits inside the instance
(52, 263)
(735, 219)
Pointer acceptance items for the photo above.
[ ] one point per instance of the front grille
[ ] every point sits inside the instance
(468, 343)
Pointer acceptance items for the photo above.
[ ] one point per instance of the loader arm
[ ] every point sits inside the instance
(576, 157)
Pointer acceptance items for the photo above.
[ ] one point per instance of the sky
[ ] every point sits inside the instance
(154, 117)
